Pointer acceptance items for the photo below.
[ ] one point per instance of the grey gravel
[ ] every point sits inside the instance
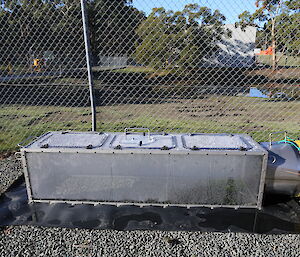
(36, 241)
(10, 170)
(39, 241)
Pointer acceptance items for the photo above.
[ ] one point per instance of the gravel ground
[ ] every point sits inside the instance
(35, 241)
(10, 170)
(38, 241)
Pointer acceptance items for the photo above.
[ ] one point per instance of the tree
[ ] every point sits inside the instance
(33, 27)
(278, 23)
(112, 25)
(179, 38)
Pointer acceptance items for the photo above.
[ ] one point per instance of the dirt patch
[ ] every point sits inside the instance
(5, 155)
(290, 73)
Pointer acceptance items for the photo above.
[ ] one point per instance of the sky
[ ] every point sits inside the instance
(230, 8)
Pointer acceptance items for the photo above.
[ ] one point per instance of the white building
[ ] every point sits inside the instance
(235, 52)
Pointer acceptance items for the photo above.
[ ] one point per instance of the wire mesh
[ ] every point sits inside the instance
(173, 66)
(197, 66)
(43, 76)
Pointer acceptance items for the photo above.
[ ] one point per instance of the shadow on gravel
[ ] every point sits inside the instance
(276, 217)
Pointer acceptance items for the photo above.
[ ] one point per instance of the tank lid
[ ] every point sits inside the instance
(73, 140)
(215, 142)
(153, 141)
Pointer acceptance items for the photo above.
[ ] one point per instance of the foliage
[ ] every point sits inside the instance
(36, 26)
(29, 28)
(112, 25)
(179, 38)
(278, 23)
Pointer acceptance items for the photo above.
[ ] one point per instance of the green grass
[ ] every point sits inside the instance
(222, 114)
(142, 69)
(291, 61)
(18, 122)
(69, 81)
(179, 126)
(135, 69)
(16, 69)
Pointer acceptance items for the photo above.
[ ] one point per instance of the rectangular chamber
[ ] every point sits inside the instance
(145, 169)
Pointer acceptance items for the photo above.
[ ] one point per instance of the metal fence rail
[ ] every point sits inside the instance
(173, 67)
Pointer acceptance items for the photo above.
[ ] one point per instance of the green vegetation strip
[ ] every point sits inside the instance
(253, 116)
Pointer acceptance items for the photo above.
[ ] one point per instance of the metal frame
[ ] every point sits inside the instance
(27, 177)
(141, 205)
(262, 180)
(134, 150)
(142, 151)
(118, 204)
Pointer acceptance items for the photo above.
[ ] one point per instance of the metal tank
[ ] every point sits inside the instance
(283, 169)
(144, 168)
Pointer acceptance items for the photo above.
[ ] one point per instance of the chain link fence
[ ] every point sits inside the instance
(43, 74)
(172, 66)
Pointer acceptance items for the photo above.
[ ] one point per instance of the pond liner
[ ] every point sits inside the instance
(276, 217)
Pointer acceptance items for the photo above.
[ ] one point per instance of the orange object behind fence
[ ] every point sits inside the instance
(269, 51)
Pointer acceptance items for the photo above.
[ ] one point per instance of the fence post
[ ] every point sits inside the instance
(88, 62)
